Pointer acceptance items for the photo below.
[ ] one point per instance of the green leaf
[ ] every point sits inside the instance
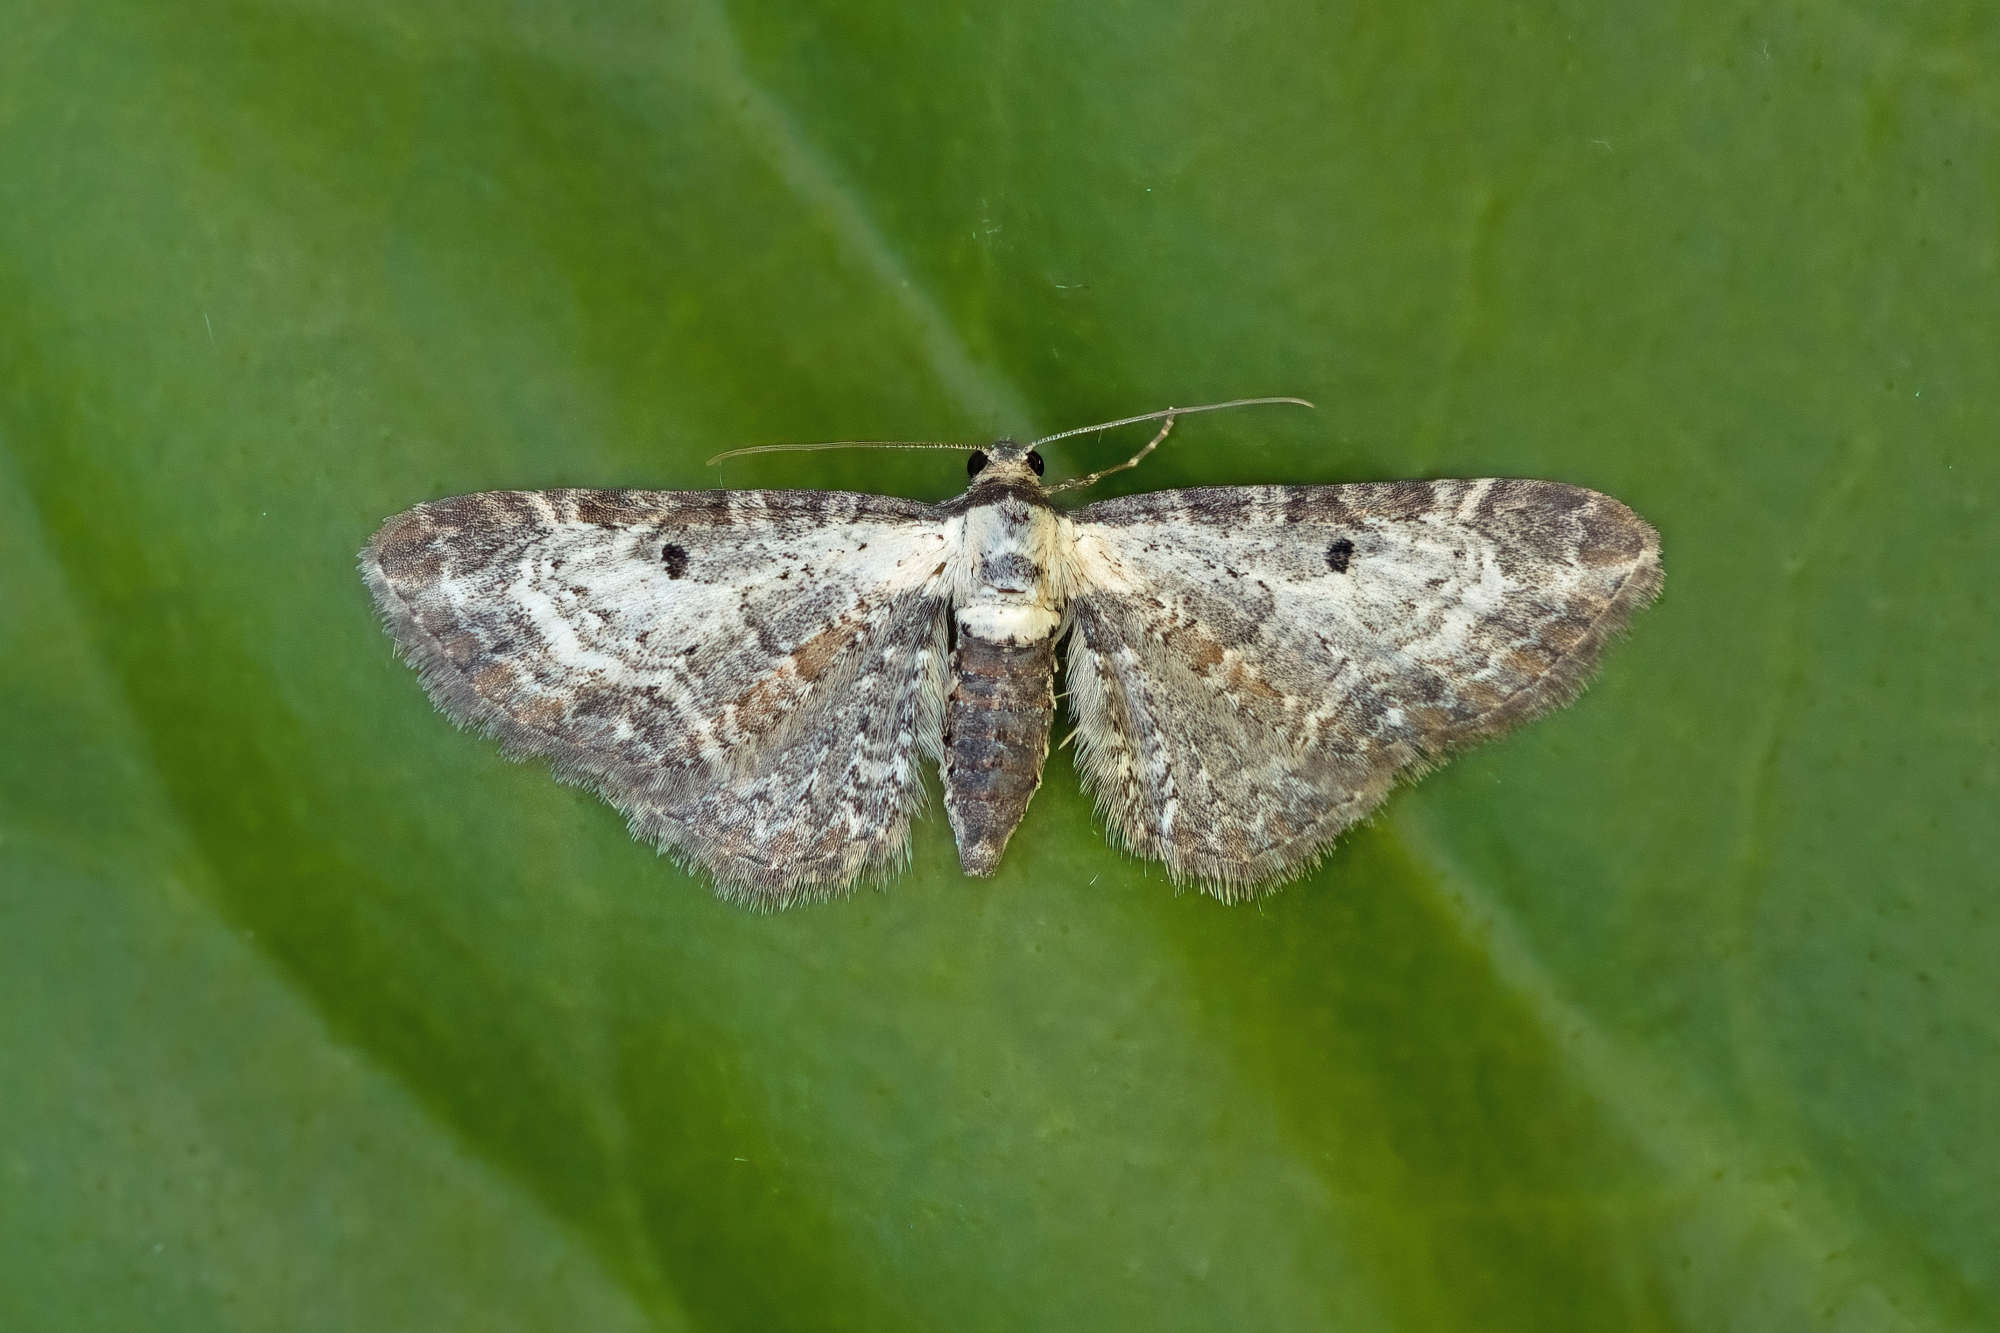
(1674, 1011)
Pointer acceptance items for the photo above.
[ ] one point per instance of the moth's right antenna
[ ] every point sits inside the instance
(1166, 417)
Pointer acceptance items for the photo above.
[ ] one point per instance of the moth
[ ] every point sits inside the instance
(755, 678)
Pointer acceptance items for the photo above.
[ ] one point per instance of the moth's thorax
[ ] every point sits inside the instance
(1009, 547)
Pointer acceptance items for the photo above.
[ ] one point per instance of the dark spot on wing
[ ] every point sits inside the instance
(675, 558)
(1339, 554)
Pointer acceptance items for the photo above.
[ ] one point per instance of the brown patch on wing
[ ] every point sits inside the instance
(1529, 660)
(1199, 649)
(1476, 697)
(1611, 534)
(1404, 499)
(460, 647)
(1241, 681)
(1566, 631)
(822, 650)
(495, 681)
(784, 689)
(1195, 647)
(542, 712)
(403, 548)
(604, 509)
(1306, 503)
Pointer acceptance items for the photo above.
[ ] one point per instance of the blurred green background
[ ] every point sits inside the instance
(1677, 1010)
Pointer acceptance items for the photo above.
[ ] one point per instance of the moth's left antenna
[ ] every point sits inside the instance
(835, 444)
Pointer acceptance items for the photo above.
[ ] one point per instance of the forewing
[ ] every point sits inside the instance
(750, 676)
(1251, 668)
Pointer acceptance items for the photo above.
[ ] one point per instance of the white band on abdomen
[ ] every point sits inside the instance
(1008, 622)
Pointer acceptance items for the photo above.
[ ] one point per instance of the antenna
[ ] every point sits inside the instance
(1169, 412)
(1166, 416)
(837, 444)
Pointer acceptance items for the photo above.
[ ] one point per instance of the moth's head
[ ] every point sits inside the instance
(1004, 463)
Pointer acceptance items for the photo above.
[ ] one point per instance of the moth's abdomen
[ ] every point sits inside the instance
(996, 729)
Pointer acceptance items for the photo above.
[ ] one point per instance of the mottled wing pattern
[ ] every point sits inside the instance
(1251, 668)
(751, 676)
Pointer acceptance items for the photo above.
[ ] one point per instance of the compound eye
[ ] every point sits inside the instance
(1035, 462)
(975, 464)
